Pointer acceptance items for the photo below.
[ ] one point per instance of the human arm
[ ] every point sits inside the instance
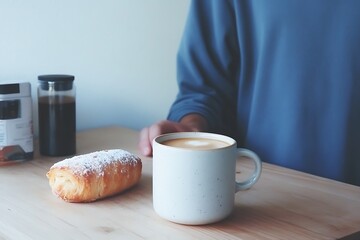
(208, 65)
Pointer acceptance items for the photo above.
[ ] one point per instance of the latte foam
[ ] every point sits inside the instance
(196, 143)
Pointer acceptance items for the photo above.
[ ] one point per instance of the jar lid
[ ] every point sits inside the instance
(56, 78)
(59, 82)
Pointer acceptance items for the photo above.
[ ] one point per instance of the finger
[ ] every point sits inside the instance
(159, 128)
(168, 127)
(145, 143)
(155, 130)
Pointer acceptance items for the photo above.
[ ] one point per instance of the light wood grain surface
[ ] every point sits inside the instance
(284, 204)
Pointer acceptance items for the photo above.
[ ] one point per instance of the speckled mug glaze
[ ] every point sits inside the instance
(197, 187)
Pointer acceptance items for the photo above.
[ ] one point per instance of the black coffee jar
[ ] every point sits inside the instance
(57, 115)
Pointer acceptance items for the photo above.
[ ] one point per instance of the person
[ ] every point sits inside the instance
(281, 77)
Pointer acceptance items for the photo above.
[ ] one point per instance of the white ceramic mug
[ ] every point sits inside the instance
(195, 184)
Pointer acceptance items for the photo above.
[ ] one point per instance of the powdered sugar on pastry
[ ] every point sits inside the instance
(97, 161)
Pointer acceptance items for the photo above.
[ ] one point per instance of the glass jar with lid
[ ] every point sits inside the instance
(57, 115)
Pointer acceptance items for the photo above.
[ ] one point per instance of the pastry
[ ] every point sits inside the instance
(92, 176)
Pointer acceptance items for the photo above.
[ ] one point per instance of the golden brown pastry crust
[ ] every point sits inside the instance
(89, 177)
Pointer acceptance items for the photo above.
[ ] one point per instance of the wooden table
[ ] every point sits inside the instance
(284, 204)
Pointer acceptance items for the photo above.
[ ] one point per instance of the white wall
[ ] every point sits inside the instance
(122, 53)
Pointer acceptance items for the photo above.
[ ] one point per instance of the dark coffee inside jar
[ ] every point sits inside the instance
(57, 120)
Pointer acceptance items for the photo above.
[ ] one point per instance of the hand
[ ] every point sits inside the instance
(189, 123)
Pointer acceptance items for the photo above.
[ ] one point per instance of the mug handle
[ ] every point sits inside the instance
(242, 152)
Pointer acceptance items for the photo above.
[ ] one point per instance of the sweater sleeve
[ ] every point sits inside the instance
(207, 64)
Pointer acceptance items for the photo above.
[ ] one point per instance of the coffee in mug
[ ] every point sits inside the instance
(194, 176)
(195, 143)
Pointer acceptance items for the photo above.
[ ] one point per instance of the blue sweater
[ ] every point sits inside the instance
(282, 77)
